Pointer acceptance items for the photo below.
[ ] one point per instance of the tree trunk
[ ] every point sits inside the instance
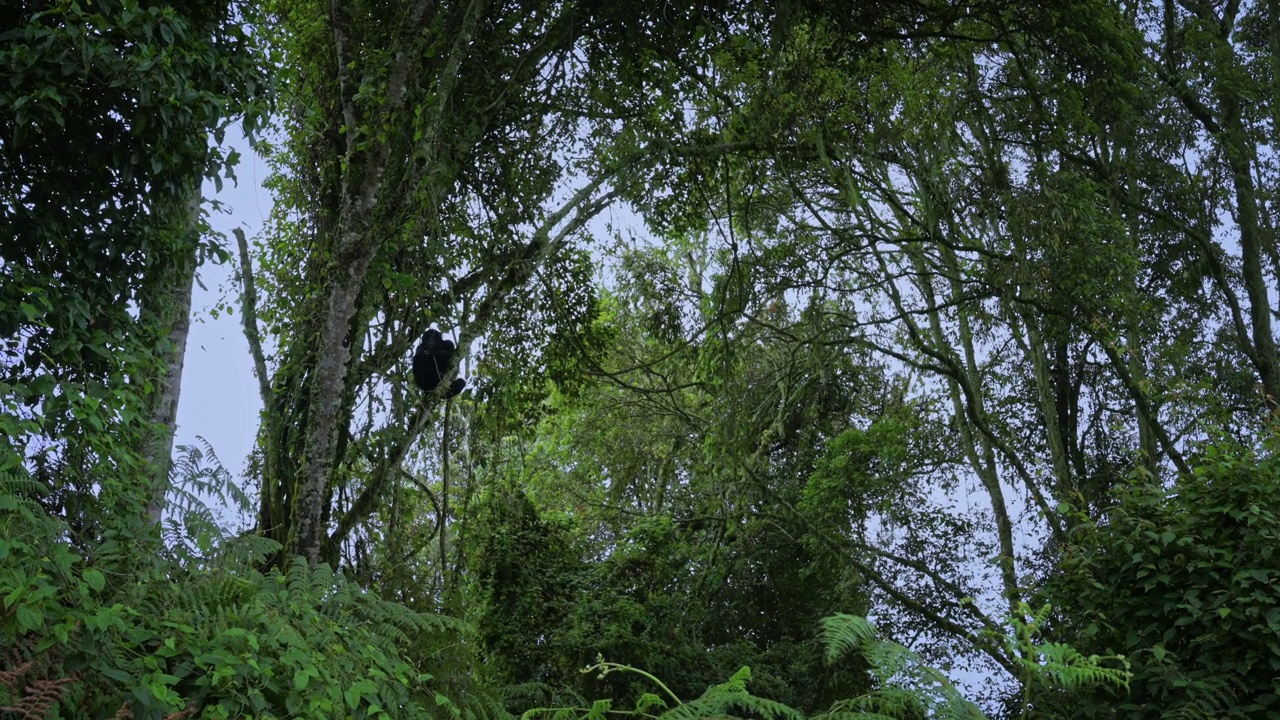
(169, 313)
(326, 400)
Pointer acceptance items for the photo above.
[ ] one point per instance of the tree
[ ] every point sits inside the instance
(705, 533)
(984, 205)
(1182, 582)
(107, 113)
(417, 186)
(929, 309)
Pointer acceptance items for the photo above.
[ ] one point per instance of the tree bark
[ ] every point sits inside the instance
(169, 312)
(329, 383)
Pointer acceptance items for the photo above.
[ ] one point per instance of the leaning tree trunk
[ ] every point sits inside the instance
(166, 310)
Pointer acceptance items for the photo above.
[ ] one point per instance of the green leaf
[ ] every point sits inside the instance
(359, 689)
(29, 618)
(94, 578)
(599, 710)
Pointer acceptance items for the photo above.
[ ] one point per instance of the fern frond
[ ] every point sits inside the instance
(599, 710)
(1211, 699)
(1069, 669)
(909, 688)
(246, 550)
(851, 715)
(20, 496)
(889, 660)
(843, 634)
(485, 706)
(201, 491)
(737, 683)
(733, 705)
(892, 702)
(649, 703)
(724, 699)
(18, 482)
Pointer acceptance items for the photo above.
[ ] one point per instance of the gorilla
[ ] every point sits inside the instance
(433, 359)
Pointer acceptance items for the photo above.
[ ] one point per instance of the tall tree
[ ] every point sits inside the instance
(418, 185)
(107, 111)
(999, 204)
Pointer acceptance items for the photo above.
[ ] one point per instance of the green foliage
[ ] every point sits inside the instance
(671, 586)
(1183, 582)
(106, 110)
(900, 250)
(859, 472)
(1047, 668)
(201, 494)
(300, 643)
(219, 639)
(905, 687)
(527, 575)
(845, 634)
(1057, 662)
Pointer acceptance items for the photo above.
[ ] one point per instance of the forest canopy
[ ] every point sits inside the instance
(822, 360)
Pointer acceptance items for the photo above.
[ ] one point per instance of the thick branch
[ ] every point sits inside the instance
(249, 317)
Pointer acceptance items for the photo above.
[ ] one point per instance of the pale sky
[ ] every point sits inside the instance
(219, 393)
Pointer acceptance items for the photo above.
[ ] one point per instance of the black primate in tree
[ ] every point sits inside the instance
(432, 360)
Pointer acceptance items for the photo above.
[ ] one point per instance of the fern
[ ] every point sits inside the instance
(246, 550)
(721, 700)
(201, 489)
(718, 702)
(908, 687)
(1068, 669)
(843, 635)
(21, 513)
(856, 715)
(1211, 703)
(1057, 665)
(303, 642)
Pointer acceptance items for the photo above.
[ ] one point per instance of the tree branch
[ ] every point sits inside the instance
(249, 317)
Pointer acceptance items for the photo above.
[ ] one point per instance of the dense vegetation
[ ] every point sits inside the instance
(776, 316)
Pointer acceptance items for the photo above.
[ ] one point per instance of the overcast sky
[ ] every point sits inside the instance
(219, 393)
